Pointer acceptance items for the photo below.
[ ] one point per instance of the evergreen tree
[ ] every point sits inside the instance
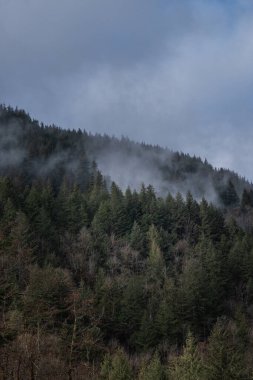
(77, 210)
(229, 196)
(152, 370)
(102, 222)
(117, 367)
(46, 298)
(121, 223)
(247, 198)
(212, 221)
(155, 261)
(137, 238)
(188, 366)
(224, 360)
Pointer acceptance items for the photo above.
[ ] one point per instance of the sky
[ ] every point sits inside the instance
(178, 73)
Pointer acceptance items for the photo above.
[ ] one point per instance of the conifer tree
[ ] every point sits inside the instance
(229, 195)
(224, 359)
(152, 370)
(121, 223)
(116, 367)
(188, 365)
(155, 261)
(137, 238)
(102, 222)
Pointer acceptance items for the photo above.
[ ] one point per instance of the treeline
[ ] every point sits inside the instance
(31, 150)
(97, 283)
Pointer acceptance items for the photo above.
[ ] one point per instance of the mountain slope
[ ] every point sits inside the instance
(37, 151)
(97, 283)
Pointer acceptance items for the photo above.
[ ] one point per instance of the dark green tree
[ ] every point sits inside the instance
(116, 367)
(188, 365)
(224, 359)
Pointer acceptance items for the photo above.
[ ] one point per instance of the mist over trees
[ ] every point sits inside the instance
(99, 281)
(40, 151)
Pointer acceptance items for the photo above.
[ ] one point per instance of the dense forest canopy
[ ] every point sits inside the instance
(99, 280)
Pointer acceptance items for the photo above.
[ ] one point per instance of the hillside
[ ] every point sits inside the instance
(102, 281)
(39, 151)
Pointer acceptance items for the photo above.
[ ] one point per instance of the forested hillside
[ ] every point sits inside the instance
(37, 151)
(102, 282)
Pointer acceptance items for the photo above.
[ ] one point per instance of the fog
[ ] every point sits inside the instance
(178, 74)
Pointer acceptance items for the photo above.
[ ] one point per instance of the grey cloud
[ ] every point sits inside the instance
(179, 74)
(10, 152)
(145, 166)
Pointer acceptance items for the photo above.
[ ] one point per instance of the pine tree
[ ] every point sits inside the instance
(8, 217)
(77, 210)
(102, 222)
(212, 221)
(247, 198)
(224, 360)
(155, 262)
(132, 205)
(116, 367)
(46, 298)
(152, 370)
(229, 196)
(137, 238)
(187, 366)
(121, 223)
(146, 337)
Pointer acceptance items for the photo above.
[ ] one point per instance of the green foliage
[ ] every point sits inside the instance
(212, 221)
(152, 369)
(229, 196)
(102, 220)
(85, 269)
(167, 319)
(224, 358)
(155, 262)
(116, 367)
(137, 238)
(187, 366)
(45, 300)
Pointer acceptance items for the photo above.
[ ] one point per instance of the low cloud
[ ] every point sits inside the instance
(176, 75)
(11, 154)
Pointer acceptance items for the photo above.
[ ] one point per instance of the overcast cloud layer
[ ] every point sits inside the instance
(175, 73)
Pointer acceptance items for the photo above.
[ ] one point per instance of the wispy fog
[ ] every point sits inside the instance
(179, 74)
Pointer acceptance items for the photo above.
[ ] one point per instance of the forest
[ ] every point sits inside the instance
(98, 281)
